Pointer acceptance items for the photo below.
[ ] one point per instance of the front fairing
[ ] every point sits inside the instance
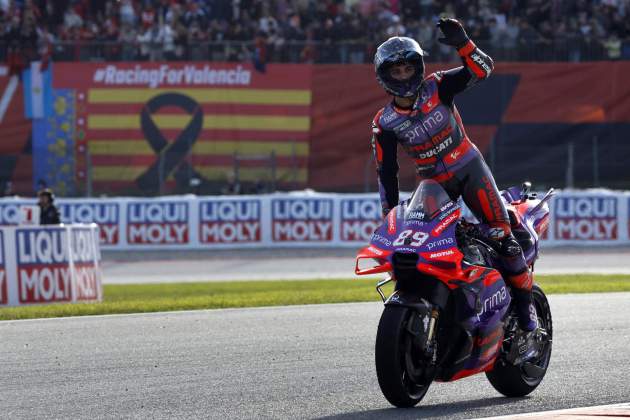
(423, 225)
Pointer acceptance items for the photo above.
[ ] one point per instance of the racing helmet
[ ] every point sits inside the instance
(399, 49)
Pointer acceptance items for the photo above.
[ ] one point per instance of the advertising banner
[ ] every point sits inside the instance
(43, 265)
(52, 264)
(157, 222)
(143, 123)
(105, 213)
(10, 210)
(586, 218)
(230, 221)
(4, 296)
(359, 217)
(299, 219)
(85, 263)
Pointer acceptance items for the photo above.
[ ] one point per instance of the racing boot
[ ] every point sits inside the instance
(526, 344)
(525, 309)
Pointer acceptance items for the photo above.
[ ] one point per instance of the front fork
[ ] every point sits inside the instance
(425, 329)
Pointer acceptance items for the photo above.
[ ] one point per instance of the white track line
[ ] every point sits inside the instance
(621, 410)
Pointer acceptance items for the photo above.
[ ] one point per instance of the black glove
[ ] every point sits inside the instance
(454, 33)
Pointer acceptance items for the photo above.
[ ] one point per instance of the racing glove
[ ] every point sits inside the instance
(454, 33)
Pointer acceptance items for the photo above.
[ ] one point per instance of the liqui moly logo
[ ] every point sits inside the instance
(586, 218)
(229, 221)
(43, 265)
(105, 215)
(157, 223)
(3, 275)
(10, 213)
(302, 220)
(359, 218)
(85, 257)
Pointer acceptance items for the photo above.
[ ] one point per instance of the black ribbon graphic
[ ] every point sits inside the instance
(171, 156)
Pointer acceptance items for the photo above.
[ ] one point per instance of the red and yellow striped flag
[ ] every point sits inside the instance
(182, 120)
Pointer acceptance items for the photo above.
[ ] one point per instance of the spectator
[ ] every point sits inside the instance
(127, 14)
(144, 42)
(128, 39)
(613, 47)
(303, 30)
(48, 213)
(72, 19)
(232, 185)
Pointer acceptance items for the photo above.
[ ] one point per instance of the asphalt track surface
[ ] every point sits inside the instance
(278, 264)
(285, 362)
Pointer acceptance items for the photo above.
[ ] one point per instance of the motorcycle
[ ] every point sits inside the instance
(450, 315)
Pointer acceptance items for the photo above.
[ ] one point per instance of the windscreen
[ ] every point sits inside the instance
(427, 201)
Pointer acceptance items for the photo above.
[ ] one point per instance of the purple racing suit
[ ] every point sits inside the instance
(432, 133)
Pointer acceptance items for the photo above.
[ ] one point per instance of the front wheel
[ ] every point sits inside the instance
(399, 366)
(520, 380)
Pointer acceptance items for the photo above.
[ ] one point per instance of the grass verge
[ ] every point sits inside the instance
(138, 298)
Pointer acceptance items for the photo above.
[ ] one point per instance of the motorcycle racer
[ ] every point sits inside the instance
(422, 118)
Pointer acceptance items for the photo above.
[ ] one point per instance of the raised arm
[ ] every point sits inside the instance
(477, 64)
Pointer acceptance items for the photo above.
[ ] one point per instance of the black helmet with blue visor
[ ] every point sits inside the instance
(397, 50)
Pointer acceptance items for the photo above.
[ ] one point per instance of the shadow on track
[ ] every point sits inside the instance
(445, 410)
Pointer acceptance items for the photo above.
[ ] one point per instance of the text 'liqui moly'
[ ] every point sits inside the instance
(4, 299)
(43, 265)
(229, 221)
(157, 223)
(359, 218)
(586, 218)
(10, 213)
(85, 257)
(105, 215)
(302, 219)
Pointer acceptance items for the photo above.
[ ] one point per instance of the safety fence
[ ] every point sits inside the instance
(301, 219)
(52, 264)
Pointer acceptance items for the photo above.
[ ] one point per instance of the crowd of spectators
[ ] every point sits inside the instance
(307, 30)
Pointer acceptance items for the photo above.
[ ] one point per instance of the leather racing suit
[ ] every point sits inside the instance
(432, 133)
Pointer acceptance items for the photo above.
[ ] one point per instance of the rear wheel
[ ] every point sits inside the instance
(399, 366)
(520, 380)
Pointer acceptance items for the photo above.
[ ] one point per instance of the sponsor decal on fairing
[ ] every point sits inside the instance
(359, 218)
(302, 219)
(586, 218)
(105, 215)
(446, 222)
(157, 223)
(229, 221)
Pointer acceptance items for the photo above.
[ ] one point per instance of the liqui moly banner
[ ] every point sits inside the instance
(230, 221)
(359, 217)
(158, 222)
(43, 265)
(4, 294)
(85, 256)
(10, 210)
(105, 214)
(300, 219)
(297, 219)
(586, 218)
